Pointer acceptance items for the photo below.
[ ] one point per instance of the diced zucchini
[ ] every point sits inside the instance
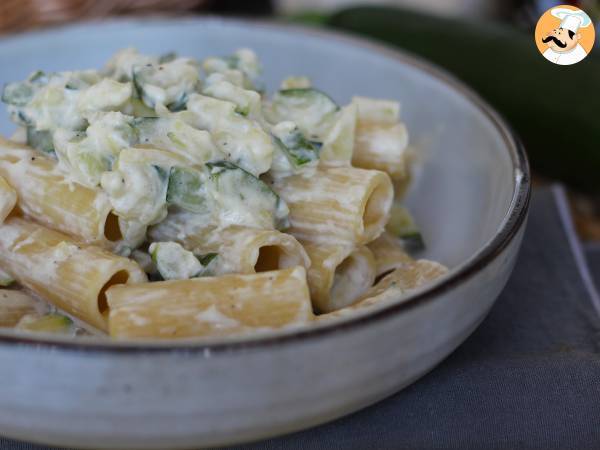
(38, 77)
(176, 263)
(137, 108)
(106, 95)
(167, 57)
(40, 140)
(90, 165)
(48, 323)
(111, 132)
(5, 279)
(175, 135)
(17, 94)
(82, 79)
(413, 242)
(295, 146)
(339, 142)
(179, 104)
(248, 102)
(20, 93)
(187, 189)
(298, 82)
(137, 189)
(121, 64)
(243, 60)
(166, 84)
(244, 199)
(52, 106)
(150, 156)
(206, 259)
(403, 226)
(309, 108)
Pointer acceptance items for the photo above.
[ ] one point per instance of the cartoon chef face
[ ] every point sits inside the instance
(561, 39)
(561, 42)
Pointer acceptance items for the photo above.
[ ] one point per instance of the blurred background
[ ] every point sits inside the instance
(487, 43)
(19, 15)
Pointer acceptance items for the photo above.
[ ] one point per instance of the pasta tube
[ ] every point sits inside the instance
(383, 147)
(213, 306)
(8, 199)
(14, 305)
(394, 286)
(239, 249)
(339, 275)
(381, 140)
(72, 277)
(389, 254)
(45, 194)
(346, 205)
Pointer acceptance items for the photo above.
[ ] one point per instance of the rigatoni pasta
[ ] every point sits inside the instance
(8, 199)
(389, 254)
(239, 249)
(381, 139)
(338, 205)
(339, 275)
(46, 194)
(164, 197)
(14, 305)
(394, 286)
(71, 276)
(212, 306)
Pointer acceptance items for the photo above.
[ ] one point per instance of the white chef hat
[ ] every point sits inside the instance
(570, 19)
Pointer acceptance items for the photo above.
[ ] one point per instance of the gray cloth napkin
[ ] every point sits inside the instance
(528, 378)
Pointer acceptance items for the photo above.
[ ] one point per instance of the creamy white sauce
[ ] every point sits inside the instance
(216, 318)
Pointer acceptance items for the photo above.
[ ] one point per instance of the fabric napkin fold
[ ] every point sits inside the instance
(528, 377)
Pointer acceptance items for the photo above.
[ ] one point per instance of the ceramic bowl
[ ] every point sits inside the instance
(470, 197)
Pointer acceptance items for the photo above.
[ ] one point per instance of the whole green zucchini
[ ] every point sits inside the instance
(554, 109)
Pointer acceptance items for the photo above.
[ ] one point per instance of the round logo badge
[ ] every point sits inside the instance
(564, 35)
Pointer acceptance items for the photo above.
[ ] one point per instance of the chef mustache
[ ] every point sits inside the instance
(556, 41)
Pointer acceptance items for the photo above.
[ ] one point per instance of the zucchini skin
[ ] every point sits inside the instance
(504, 66)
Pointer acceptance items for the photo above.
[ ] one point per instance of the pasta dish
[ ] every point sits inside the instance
(165, 197)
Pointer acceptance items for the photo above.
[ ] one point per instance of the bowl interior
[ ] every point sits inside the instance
(462, 192)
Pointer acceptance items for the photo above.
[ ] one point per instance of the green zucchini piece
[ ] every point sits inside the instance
(137, 108)
(20, 93)
(247, 196)
(167, 57)
(38, 77)
(40, 140)
(298, 150)
(180, 104)
(403, 226)
(5, 279)
(309, 108)
(17, 94)
(168, 84)
(174, 262)
(205, 260)
(339, 141)
(137, 77)
(91, 164)
(163, 174)
(309, 95)
(175, 135)
(187, 190)
(48, 323)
